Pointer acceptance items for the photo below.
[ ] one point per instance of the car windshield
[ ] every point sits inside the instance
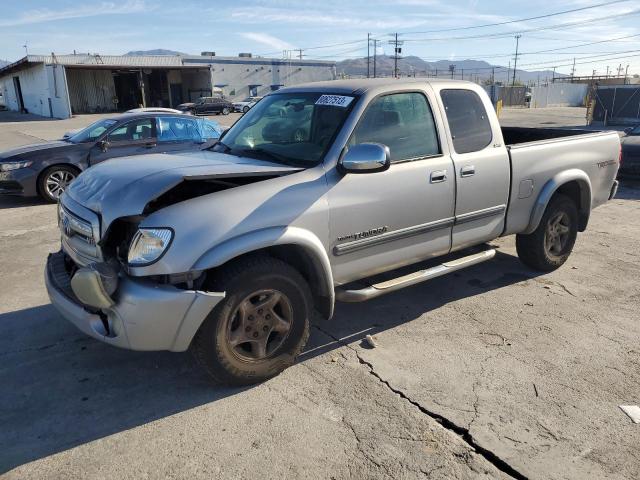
(290, 128)
(93, 131)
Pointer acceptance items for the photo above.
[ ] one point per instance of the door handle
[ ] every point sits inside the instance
(468, 171)
(438, 176)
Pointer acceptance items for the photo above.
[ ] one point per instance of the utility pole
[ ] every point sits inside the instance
(368, 53)
(493, 75)
(452, 69)
(397, 50)
(607, 71)
(553, 80)
(300, 53)
(573, 69)
(508, 73)
(515, 60)
(375, 57)
(626, 73)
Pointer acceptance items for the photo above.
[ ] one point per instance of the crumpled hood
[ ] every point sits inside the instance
(35, 147)
(124, 186)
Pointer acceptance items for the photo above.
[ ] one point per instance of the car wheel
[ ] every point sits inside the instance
(260, 327)
(245, 109)
(54, 180)
(550, 245)
(225, 111)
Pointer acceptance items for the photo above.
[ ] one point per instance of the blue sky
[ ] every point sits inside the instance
(269, 27)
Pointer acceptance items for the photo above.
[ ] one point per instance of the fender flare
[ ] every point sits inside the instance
(550, 188)
(268, 237)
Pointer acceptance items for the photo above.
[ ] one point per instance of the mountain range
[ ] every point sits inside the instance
(411, 65)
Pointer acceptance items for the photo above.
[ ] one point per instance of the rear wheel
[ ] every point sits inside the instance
(245, 109)
(260, 327)
(54, 181)
(550, 245)
(225, 111)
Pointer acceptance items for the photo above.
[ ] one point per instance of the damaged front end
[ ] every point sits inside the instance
(95, 280)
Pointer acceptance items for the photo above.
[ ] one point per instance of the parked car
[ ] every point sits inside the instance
(46, 169)
(230, 251)
(630, 165)
(246, 104)
(208, 105)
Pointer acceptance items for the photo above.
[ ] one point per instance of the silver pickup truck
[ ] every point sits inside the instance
(313, 192)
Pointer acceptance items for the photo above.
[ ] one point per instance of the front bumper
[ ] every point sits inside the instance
(145, 315)
(19, 182)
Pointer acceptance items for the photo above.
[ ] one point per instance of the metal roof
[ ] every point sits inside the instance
(147, 61)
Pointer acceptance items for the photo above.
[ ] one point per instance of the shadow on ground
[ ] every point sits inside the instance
(11, 116)
(62, 389)
(10, 201)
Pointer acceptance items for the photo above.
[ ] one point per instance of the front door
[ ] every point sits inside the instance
(133, 138)
(380, 221)
(481, 165)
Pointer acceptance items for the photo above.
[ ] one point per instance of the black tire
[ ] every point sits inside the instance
(235, 365)
(540, 250)
(62, 174)
(245, 109)
(225, 111)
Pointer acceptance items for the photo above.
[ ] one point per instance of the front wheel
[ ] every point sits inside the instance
(245, 109)
(550, 245)
(260, 327)
(55, 180)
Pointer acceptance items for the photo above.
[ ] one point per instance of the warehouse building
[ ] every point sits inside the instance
(60, 86)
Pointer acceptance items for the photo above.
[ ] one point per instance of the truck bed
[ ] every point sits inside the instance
(516, 135)
(537, 155)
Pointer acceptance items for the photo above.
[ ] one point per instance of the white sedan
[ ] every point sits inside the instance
(246, 104)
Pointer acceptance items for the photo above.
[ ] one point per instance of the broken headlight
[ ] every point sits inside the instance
(148, 245)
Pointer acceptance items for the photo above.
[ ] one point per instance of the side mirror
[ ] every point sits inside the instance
(104, 145)
(365, 158)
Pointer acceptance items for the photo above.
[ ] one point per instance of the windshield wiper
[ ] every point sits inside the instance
(226, 147)
(273, 156)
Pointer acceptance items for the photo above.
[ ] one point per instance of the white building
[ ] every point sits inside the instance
(62, 85)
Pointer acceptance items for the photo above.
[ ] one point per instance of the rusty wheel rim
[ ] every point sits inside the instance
(259, 325)
(557, 234)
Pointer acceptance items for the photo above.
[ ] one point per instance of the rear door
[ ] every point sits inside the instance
(481, 166)
(379, 221)
(136, 137)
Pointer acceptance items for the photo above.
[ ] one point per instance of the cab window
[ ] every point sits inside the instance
(401, 121)
(468, 121)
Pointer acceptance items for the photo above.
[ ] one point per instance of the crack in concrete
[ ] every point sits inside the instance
(461, 432)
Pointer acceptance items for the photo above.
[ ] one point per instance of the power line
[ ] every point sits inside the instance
(508, 34)
(521, 19)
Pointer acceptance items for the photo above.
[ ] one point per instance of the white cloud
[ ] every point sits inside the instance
(43, 15)
(268, 40)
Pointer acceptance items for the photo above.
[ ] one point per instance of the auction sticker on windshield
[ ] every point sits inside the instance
(334, 100)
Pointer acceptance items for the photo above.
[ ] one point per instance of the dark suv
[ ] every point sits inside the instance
(208, 105)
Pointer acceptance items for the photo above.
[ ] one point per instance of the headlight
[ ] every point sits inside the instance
(5, 167)
(148, 245)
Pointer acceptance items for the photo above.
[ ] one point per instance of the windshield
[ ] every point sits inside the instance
(93, 131)
(291, 128)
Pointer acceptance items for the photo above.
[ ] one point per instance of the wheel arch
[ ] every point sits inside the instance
(576, 185)
(298, 247)
(55, 163)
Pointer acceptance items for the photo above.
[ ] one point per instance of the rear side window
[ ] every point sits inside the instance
(177, 129)
(468, 120)
(401, 121)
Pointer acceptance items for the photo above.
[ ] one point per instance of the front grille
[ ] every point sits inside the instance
(79, 230)
(71, 225)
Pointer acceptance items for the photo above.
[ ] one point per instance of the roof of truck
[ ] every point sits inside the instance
(361, 85)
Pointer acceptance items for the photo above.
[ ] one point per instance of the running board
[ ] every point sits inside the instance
(420, 276)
